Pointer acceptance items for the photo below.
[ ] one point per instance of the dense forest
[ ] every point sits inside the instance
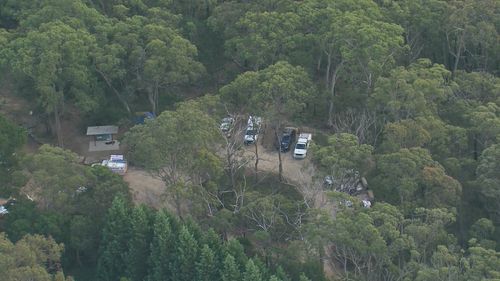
(400, 95)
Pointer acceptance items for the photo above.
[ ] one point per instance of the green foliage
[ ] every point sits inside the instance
(483, 230)
(187, 252)
(162, 252)
(408, 89)
(32, 258)
(411, 178)
(412, 92)
(138, 246)
(42, 53)
(263, 38)
(207, 268)
(116, 235)
(11, 139)
(252, 272)
(488, 179)
(343, 153)
(278, 91)
(183, 160)
(230, 271)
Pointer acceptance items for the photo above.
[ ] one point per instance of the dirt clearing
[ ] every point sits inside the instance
(145, 188)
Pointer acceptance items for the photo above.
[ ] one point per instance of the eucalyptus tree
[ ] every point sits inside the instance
(278, 93)
(180, 148)
(145, 57)
(56, 58)
(355, 42)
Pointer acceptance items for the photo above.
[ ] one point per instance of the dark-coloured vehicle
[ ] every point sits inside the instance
(288, 138)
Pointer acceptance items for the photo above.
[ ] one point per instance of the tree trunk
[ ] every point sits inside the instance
(328, 67)
(57, 119)
(333, 83)
(153, 97)
(120, 98)
(256, 161)
(232, 171)
(156, 100)
(318, 65)
(280, 166)
(457, 56)
(151, 101)
(78, 259)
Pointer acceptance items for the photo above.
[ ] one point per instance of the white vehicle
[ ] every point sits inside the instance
(253, 129)
(226, 125)
(302, 145)
(3, 210)
(116, 163)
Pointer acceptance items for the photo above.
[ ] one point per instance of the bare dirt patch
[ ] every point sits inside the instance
(144, 187)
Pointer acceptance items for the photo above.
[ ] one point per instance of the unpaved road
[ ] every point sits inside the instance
(294, 170)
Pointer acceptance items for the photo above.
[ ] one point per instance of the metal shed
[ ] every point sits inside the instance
(103, 138)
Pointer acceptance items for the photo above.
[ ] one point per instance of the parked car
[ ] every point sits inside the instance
(253, 130)
(287, 139)
(226, 125)
(302, 145)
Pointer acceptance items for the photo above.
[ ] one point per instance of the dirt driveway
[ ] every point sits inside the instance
(294, 170)
(299, 173)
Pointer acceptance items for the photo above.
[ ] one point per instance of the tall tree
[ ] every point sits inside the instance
(138, 247)
(280, 92)
(56, 57)
(230, 271)
(111, 264)
(410, 178)
(206, 267)
(187, 254)
(175, 147)
(283, 92)
(488, 180)
(34, 257)
(412, 92)
(342, 155)
(252, 272)
(263, 38)
(345, 39)
(11, 139)
(162, 248)
(58, 175)
(170, 62)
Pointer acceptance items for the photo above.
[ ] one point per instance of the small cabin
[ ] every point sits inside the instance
(103, 138)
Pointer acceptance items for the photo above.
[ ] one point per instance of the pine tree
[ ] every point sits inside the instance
(252, 272)
(281, 275)
(186, 256)
(303, 277)
(162, 248)
(234, 248)
(207, 266)
(111, 264)
(214, 242)
(230, 270)
(139, 244)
